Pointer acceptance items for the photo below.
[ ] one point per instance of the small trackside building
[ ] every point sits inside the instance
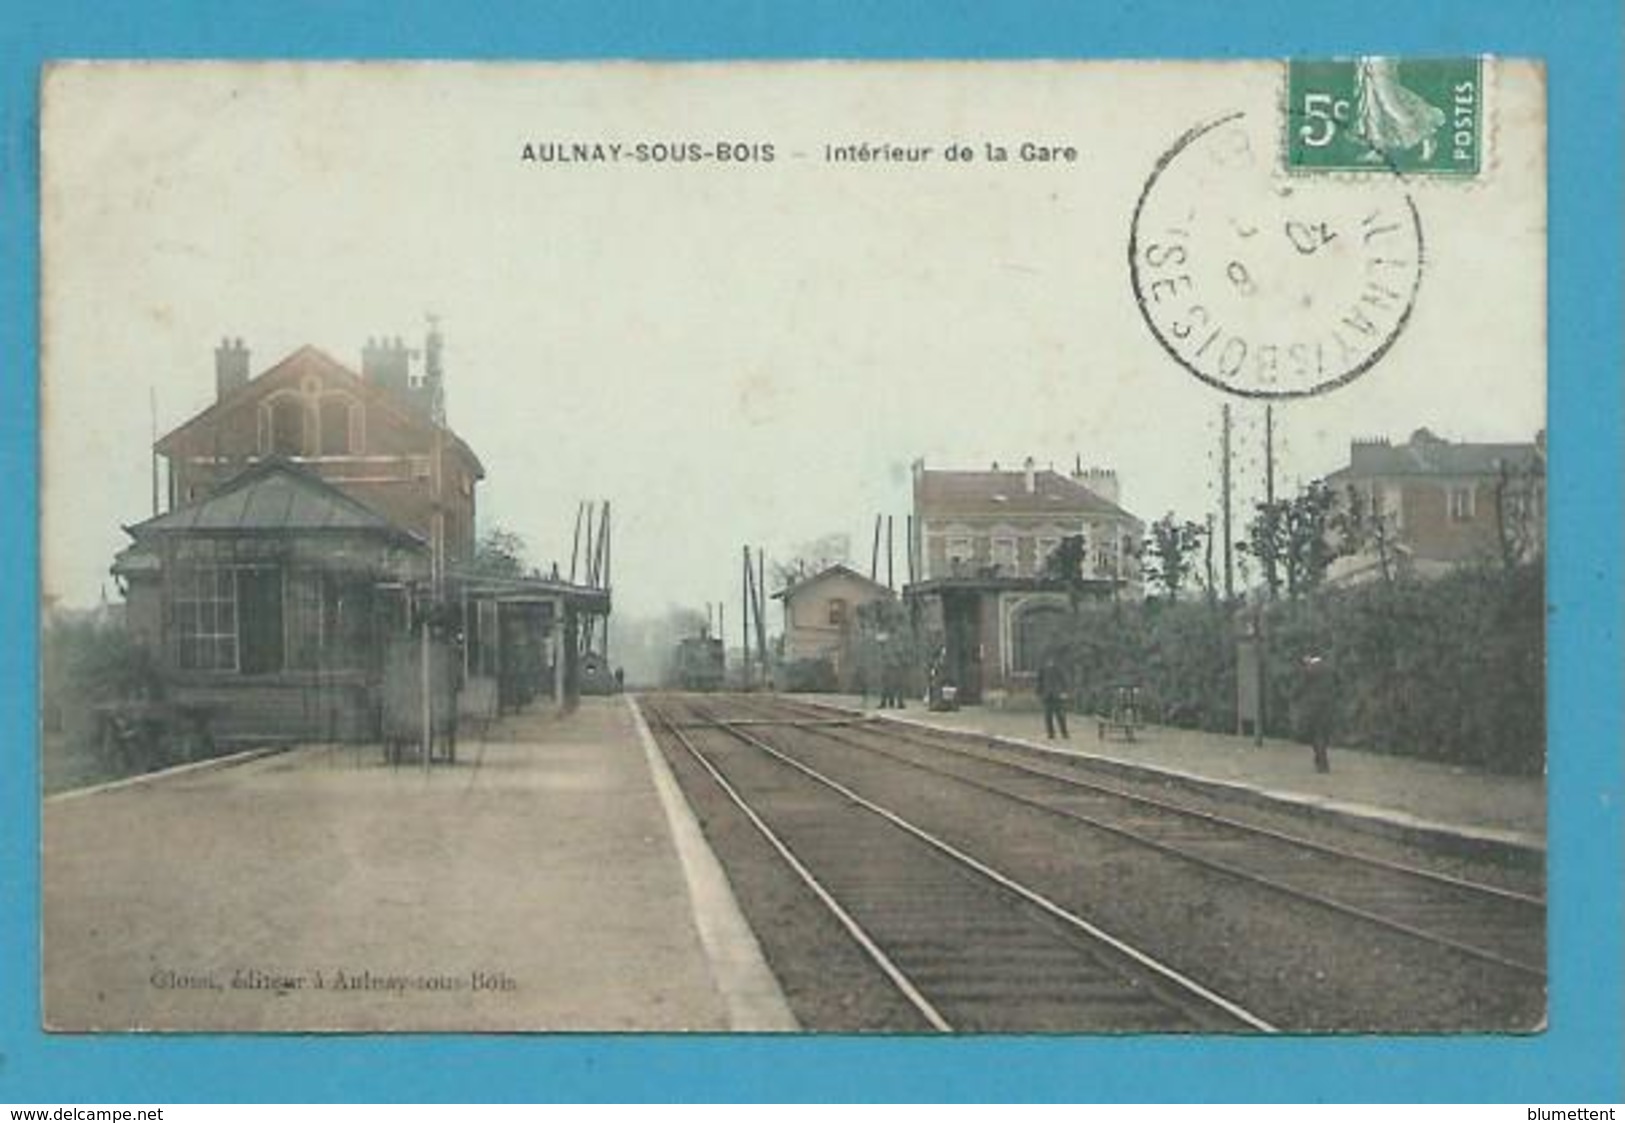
(821, 617)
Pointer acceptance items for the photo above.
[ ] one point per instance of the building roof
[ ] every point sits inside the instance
(839, 569)
(273, 496)
(307, 360)
(1428, 455)
(136, 559)
(522, 590)
(946, 492)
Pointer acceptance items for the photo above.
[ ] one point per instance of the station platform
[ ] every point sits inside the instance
(1446, 806)
(553, 879)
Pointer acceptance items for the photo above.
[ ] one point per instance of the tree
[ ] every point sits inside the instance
(1295, 540)
(812, 557)
(1312, 537)
(1170, 551)
(1266, 542)
(1364, 525)
(1517, 512)
(1210, 577)
(500, 553)
(1064, 567)
(886, 640)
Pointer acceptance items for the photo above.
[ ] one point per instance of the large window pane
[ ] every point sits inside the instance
(203, 619)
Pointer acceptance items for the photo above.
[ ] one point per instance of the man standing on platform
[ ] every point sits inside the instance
(1052, 688)
(1316, 706)
(891, 673)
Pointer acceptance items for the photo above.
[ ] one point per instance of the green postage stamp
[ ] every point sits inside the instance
(1415, 116)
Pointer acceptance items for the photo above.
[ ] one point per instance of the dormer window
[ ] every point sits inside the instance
(340, 431)
(286, 427)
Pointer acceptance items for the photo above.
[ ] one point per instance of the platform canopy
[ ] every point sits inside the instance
(527, 590)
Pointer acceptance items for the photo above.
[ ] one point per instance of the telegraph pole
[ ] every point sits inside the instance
(1224, 477)
(437, 585)
(761, 605)
(586, 556)
(576, 546)
(888, 554)
(604, 580)
(1263, 619)
(1269, 454)
(744, 628)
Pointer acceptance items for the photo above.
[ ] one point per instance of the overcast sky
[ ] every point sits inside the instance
(728, 353)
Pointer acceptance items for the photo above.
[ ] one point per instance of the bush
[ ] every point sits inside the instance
(85, 664)
(809, 676)
(1451, 669)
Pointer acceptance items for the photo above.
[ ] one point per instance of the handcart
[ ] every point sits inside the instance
(1122, 714)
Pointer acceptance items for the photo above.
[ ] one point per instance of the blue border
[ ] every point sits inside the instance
(1580, 1059)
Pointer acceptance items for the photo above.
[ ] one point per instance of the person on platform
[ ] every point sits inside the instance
(1316, 706)
(1052, 689)
(891, 686)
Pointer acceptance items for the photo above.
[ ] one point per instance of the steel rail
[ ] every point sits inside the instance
(1168, 974)
(1213, 864)
(898, 978)
(921, 736)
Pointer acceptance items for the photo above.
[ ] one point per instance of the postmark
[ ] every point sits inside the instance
(1269, 286)
(1420, 117)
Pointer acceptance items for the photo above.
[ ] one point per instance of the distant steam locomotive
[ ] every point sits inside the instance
(698, 663)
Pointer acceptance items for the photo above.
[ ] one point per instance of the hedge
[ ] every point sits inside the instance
(1449, 669)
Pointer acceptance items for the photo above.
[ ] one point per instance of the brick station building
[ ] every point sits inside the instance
(981, 539)
(314, 513)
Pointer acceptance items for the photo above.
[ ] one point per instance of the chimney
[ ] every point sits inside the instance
(387, 363)
(1103, 482)
(1031, 476)
(230, 366)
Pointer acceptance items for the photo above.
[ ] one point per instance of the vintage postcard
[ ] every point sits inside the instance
(1001, 547)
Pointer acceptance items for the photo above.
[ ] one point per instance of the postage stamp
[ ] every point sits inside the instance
(1415, 116)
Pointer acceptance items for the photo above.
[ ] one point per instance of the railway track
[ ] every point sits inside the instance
(968, 945)
(1306, 927)
(1498, 926)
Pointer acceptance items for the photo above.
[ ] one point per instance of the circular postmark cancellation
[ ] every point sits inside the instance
(1265, 285)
